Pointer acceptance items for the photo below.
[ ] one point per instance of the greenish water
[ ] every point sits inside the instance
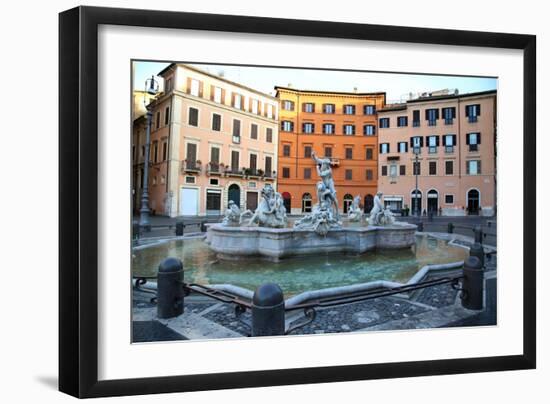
(297, 274)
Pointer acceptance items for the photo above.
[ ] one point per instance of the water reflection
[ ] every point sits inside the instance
(295, 275)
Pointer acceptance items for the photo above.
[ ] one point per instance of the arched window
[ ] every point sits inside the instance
(348, 200)
(306, 203)
(234, 194)
(286, 199)
(433, 201)
(473, 202)
(416, 202)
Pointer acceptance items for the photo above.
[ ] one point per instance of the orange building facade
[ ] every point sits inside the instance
(336, 125)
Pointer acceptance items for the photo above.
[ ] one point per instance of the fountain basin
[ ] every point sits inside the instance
(236, 243)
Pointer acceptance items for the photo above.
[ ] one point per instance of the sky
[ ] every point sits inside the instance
(264, 79)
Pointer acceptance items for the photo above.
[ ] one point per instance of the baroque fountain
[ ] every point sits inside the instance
(267, 233)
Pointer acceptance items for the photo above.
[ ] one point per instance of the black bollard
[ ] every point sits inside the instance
(179, 228)
(170, 288)
(473, 284)
(478, 235)
(450, 227)
(135, 230)
(268, 311)
(203, 226)
(420, 226)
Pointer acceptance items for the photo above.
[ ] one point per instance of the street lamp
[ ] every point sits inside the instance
(151, 88)
(416, 170)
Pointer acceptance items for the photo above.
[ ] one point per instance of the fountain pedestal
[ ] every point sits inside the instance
(236, 243)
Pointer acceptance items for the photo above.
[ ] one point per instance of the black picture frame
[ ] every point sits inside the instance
(78, 196)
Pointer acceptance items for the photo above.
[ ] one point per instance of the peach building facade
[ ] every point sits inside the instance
(338, 125)
(212, 140)
(455, 137)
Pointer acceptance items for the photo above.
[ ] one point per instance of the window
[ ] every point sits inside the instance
(472, 112)
(449, 167)
(369, 154)
(349, 109)
(402, 147)
(288, 105)
(416, 168)
(308, 107)
(349, 153)
(328, 151)
(449, 114)
(349, 174)
(450, 143)
(214, 158)
(193, 117)
(238, 101)
(402, 121)
(286, 172)
(384, 122)
(270, 111)
(269, 135)
(307, 173)
(214, 181)
(369, 109)
(218, 95)
(416, 143)
(349, 129)
(236, 128)
(235, 161)
(308, 127)
(253, 131)
(328, 108)
(195, 87)
(287, 126)
(307, 151)
(268, 166)
(168, 85)
(402, 170)
(416, 118)
(449, 199)
(432, 168)
(157, 120)
(473, 140)
(253, 162)
(473, 167)
(164, 151)
(255, 107)
(328, 128)
(286, 150)
(155, 151)
(216, 122)
(167, 116)
(368, 130)
(369, 175)
(432, 115)
(393, 170)
(384, 171)
(433, 142)
(384, 148)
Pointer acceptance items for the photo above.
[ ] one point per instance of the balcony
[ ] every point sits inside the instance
(449, 121)
(214, 168)
(270, 176)
(236, 139)
(416, 124)
(432, 122)
(472, 119)
(233, 172)
(432, 149)
(449, 149)
(334, 161)
(473, 147)
(191, 166)
(416, 150)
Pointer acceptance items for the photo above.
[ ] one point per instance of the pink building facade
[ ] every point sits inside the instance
(450, 142)
(212, 140)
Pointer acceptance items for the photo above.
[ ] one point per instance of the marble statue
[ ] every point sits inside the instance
(271, 210)
(355, 213)
(232, 214)
(380, 216)
(327, 191)
(324, 215)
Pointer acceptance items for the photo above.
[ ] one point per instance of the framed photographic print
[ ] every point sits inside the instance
(252, 201)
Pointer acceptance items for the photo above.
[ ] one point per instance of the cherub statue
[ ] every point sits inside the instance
(232, 214)
(354, 212)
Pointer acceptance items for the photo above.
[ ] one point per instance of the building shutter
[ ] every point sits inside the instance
(188, 85)
(212, 91)
(454, 140)
(412, 141)
(437, 140)
(223, 96)
(478, 135)
(380, 148)
(201, 87)
(478, 109)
